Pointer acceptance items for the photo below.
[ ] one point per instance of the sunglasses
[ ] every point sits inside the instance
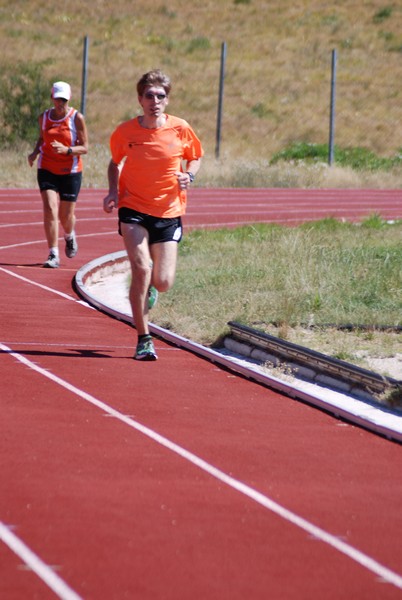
(150, 96)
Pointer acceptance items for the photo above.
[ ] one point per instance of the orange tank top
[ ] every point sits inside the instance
(63, 131)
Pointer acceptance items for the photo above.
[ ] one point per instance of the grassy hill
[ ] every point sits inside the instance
(277, 84)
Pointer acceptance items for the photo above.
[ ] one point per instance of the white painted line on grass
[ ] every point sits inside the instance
(363, 559)
(41, 569)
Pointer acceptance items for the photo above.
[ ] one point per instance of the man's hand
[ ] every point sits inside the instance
(110, 202)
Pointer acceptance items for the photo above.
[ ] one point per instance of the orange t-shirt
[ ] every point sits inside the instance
(64, 131)
(147, 181)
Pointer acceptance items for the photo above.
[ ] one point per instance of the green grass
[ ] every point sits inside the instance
(319, 273)
(355, 158)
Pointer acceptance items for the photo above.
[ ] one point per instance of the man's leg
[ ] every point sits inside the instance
(164, 257)
(136, 242)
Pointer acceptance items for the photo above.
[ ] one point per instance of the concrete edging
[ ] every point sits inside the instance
(374, 418)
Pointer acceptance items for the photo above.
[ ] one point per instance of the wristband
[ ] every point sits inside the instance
(191, 176)
(70, 150)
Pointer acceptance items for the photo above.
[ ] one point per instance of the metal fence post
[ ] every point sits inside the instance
(332, 109)
(220, 101)
(84, 76)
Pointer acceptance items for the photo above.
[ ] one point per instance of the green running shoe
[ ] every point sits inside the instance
(145, 350)
(152, 297)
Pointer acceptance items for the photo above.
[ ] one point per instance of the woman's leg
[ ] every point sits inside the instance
(67, 220)
(50, 202)
(67, 216)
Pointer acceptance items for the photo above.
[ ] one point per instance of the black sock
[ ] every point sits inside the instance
(144, 336)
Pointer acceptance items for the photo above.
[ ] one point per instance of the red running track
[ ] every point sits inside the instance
(233, 207)
(175, 479)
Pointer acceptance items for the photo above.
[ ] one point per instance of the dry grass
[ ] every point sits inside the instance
(226, 172)
(277, 75)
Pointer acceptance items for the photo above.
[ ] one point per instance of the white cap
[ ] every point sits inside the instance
(61, 89)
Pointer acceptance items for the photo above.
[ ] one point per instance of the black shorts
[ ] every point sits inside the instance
(158, 228)
(67, 186)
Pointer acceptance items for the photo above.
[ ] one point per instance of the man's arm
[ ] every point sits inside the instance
(111, 200)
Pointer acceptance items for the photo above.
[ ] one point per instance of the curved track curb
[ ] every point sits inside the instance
(374, 418)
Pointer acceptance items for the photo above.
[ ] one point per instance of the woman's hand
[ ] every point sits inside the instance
(31, 158)
(59, 148)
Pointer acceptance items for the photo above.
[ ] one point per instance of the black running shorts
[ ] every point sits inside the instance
(159, 229)
(67, 186)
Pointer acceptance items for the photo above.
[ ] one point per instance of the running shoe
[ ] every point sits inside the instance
(53, 261)
(145, 350)
(152, 297)
(71, 246)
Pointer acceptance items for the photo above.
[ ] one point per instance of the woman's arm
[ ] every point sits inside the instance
(39, 142)
(82, 139)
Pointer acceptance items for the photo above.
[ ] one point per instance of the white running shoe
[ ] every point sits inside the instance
(71, 246)
(53, 261)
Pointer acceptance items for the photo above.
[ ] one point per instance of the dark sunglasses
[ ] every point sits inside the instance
(150, 96)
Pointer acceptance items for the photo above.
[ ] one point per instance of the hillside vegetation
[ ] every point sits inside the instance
(277, 84)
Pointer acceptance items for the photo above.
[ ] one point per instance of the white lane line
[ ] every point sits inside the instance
(41, 569)
(45, 287)
(36, 223)
(21, 244)
(104, 347)
(363, 559)
(32, 242)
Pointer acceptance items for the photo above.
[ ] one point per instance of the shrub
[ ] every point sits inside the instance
(382, 14)
(356, 158)
(24, 94)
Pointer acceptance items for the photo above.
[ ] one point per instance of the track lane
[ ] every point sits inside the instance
(62, 461)
(270, 442)
(156, 471)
